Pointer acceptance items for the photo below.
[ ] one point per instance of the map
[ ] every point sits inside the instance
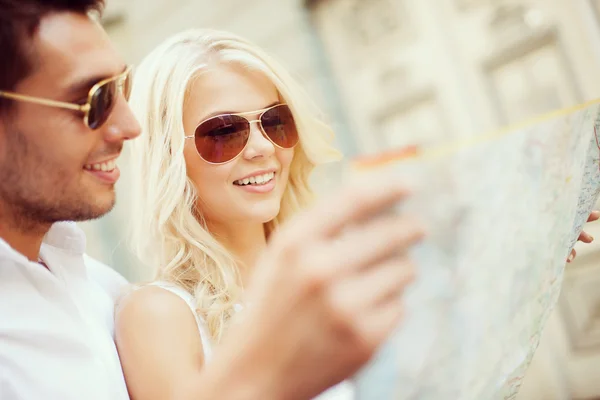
(502, 214)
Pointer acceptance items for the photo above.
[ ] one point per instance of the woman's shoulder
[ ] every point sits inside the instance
(174, 289)
(153, 304)
(160, 306)
(157, 339)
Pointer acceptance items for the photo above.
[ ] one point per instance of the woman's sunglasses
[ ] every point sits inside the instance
(222, 138)
(100, 101)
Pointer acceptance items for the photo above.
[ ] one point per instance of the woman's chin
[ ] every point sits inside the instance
(263, 214)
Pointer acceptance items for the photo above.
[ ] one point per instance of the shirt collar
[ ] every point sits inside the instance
(65, 236)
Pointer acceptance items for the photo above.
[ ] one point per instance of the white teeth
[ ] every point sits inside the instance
(258, 179)
(104, 167)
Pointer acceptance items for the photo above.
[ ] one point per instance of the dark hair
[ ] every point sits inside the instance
(19, 20)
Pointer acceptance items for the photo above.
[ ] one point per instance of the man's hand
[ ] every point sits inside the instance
(325, 295)
(584, 236)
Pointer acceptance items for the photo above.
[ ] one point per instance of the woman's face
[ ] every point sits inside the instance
(250, 187)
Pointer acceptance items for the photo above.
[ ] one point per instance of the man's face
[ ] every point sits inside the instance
(49, 159)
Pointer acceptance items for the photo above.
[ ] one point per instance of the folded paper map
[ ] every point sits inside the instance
(502, 212)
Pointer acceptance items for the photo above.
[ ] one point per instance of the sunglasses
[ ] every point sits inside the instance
(100, 102)
(222, 138)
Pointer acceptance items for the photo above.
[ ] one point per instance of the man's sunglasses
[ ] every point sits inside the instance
(222, 138)
(100, 101)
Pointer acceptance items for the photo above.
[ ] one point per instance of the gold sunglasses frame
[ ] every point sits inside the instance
(260, 113)
(84, 108)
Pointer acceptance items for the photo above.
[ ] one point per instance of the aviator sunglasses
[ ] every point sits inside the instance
(222, 138)
(100, 102)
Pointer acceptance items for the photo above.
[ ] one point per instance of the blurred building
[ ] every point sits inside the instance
(391, 73)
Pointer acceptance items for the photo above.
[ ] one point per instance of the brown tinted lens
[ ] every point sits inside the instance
(222, 138)
(278, 123)
(101, 104)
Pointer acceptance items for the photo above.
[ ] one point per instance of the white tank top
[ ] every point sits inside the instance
(342, 391)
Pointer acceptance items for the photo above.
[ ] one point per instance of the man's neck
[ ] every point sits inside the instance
(23, 235)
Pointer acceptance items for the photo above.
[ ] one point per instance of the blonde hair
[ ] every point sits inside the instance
(166, 232)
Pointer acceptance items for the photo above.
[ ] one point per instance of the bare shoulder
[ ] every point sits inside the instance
(151, 306)
(158, 341)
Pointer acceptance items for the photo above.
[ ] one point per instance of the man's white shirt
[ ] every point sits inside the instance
(57, 326)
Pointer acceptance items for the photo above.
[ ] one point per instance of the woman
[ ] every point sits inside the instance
(229, 142)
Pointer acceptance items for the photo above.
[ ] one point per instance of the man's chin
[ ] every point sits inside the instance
(105, 206)
(96, 208)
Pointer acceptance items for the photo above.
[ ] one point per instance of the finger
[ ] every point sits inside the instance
(372, 243)
(374, 286)
(572, 256)
(594, 216)
(364, 198)
(378, 324)
(585, 237)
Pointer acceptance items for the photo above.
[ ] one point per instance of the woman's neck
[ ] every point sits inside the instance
(245, 241)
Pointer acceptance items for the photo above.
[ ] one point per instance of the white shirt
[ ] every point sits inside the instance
(57, 326)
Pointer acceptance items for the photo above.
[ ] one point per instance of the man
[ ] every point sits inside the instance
(324, 295)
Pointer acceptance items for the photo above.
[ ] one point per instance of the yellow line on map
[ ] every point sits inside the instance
(461, 144)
